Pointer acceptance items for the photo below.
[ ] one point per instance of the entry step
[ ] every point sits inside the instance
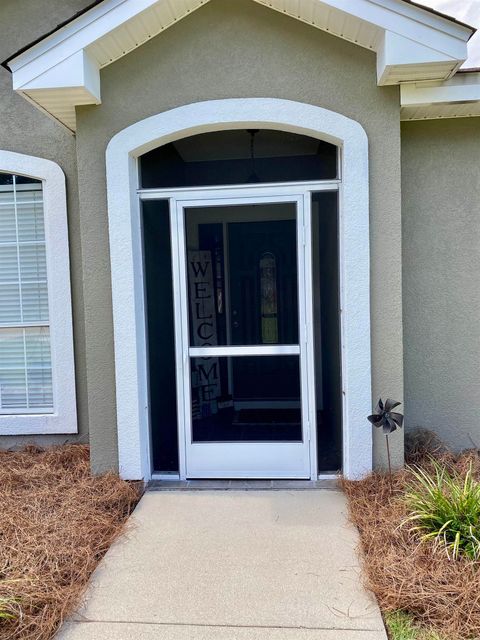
(242, 485)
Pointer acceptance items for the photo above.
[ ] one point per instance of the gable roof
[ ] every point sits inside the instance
(62, 69)
(59, 26)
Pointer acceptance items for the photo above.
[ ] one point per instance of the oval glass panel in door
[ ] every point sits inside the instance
(268, 298)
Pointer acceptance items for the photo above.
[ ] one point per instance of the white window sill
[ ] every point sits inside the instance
(36, 424)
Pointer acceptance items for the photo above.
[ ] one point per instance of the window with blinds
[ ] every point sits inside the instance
(25, 354)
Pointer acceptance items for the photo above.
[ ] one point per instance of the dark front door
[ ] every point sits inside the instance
(263, 306)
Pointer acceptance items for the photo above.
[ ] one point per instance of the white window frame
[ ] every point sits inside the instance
(131, 371)
(63, 418)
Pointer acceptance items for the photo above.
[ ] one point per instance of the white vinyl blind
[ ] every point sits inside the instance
(25, 353)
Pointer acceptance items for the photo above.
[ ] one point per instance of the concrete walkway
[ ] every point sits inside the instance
(231, 565)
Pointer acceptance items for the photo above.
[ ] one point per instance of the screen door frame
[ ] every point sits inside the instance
(265, 459)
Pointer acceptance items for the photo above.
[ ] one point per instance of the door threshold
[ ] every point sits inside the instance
(242, 485)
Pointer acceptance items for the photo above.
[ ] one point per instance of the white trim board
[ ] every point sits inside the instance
(456, 98)
(64, 417)
(63, 69)
(127, 269)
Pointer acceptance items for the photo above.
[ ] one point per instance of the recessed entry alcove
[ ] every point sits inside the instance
(242, 282)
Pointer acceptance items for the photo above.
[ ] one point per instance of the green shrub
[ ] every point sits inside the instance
(445, 508)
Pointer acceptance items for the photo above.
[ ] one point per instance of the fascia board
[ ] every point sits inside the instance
(392, 16)
(424, 94)
(78, 35)
(102, 18)
(419, 14)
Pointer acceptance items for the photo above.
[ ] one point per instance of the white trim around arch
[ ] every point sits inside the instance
(127, 271)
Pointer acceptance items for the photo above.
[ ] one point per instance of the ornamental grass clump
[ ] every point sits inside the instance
(445, 509)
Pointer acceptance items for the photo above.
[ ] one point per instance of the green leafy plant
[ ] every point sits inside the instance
(445, 509)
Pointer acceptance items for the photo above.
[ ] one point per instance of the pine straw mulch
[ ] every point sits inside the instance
(418, 579)
(56, 523)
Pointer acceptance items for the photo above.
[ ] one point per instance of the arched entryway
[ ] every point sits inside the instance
(244, 405)
(290, 205)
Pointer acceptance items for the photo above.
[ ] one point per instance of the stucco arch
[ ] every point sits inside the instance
(126, 265)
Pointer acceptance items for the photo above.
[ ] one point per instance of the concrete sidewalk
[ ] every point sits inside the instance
(231, 565)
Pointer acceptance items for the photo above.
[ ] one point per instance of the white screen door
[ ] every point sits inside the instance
(240, 292)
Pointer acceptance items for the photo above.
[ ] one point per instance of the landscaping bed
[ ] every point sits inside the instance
(56, 523)
(423, 590)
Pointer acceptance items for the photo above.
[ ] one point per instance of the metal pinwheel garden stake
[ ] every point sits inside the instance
(389, 421)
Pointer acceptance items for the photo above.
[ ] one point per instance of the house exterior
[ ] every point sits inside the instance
(228, 228)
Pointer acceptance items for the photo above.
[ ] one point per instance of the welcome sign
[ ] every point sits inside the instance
(206, 377)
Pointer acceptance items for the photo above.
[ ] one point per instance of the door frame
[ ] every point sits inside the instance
(126, 261)
(299, 193)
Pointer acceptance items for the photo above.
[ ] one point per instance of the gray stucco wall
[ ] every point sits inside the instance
(25, 130)
(441, 277)
(240, 49)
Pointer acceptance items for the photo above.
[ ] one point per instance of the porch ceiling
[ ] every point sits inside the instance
(62, 70)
